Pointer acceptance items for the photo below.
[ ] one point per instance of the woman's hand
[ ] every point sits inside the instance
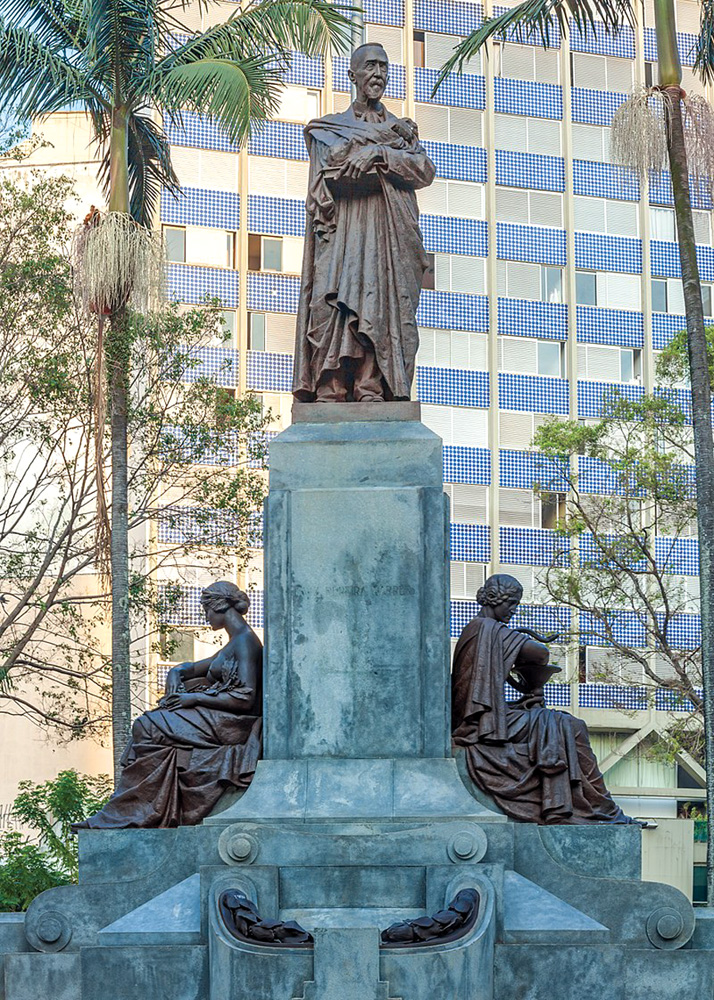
(174, 679)
(174, 701)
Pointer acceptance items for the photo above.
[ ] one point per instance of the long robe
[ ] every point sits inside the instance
(178, 763)
(364, 257)
(535, 762)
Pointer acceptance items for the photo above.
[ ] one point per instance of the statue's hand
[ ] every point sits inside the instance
(406, 129)
(173, 702)
(361, 162)
(174, 680)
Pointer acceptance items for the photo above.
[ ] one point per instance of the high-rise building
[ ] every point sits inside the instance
(556, 276)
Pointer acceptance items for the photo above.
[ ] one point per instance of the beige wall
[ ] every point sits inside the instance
(668, 854)
(28, 753)
(69, 151)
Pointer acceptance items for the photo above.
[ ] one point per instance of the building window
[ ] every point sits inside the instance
(176, 647)
(650, 74)
(175, 242)
(707, 299)
(552, 510)
(419, 50)
(272, 254)
(585, 288)
(551, 284)
(659, 295)
(429, 278)
(630, 365)
(265, 253)
(313, 104)
(228, 325)
(662, 224)
(550, 358)
(256, 331)
(699, 884)
(230, 249)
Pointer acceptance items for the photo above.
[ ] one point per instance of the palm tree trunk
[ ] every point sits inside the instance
(702, 421)
(118, 370)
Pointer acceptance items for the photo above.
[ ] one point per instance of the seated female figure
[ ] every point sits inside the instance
(205, 734)
(535, 762)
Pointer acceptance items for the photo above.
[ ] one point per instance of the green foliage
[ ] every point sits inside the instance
(610, 562)
(54, 664)
(47, 855)
(127, 57)
(673, 361)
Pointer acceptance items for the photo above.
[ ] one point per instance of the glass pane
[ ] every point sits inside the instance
(313, 104)
(585, 288)
(228, 322)
(699, 884)
(257, 332)
(662, 224)
(272, 255)
(627, 366)
(659, 296)
(707, 299)
(549, 358)
(175, 243)
(552, 284)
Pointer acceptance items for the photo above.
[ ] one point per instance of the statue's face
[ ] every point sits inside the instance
(505, 609)
(215, 619)
(370, 73)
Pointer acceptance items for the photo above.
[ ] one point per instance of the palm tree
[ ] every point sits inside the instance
(656, 126)
(123, 61)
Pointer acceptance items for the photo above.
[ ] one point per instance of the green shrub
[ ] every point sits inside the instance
(46, 856)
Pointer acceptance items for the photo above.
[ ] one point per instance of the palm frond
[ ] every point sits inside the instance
(309, 26)
(234, 93)
(36, 79)
(53, 22)
(704, 58)
(539, 18)
(121, 40)
(266, 27)
(638, 137)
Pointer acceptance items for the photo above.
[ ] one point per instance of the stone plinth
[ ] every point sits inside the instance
(357, 660)
(357, 705)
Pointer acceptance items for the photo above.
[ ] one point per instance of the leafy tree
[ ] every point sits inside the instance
(617, 562)
(47, 855)
(123, 61)
(657, 126)
(195, 465)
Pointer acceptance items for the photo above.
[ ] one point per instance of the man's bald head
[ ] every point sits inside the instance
(362, 53)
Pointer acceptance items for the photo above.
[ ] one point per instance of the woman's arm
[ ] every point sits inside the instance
(186, 672)
(533, 652)
(241, 701)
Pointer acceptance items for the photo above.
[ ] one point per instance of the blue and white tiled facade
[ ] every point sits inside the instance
(567, 263)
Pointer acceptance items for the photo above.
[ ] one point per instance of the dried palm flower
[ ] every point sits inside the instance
(118, 263)
(699, 136)
(638, 137)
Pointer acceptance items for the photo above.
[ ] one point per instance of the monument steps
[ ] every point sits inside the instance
(171, 918)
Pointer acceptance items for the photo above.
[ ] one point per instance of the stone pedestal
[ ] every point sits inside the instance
(357, 705)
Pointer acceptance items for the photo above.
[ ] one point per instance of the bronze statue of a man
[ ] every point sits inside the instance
(364, 257)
